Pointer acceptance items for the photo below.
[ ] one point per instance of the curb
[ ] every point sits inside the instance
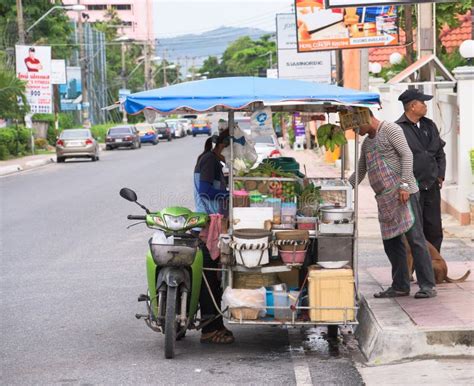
(37, 163)
(10, 169)
(386, 334)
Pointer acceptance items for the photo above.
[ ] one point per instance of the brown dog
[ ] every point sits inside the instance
(440, 267)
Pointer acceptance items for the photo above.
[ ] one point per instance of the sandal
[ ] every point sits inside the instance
(226, 332)
(426, 293)
(217, 337)
(391, 293)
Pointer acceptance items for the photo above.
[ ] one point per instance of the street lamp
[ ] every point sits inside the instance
(375, 68)
(123, 39)
(75, 7)
(396, 58)
(466, 49)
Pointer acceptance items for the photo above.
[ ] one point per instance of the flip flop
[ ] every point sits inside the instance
(217, 337)
(426, 293)
(391, 293)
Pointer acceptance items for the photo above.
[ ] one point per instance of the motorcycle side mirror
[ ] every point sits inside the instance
(128, 194)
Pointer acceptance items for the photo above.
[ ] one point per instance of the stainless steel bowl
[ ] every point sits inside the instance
(336, 214)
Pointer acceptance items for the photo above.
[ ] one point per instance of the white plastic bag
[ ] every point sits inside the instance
(159, 237)
(244, 151)
(251, 298)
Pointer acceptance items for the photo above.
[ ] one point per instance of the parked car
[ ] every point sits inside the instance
(177, 128)
(266, 147)
(187, 124)
(122, 136)
(148, 133)
(76, 143)
(164, 131)
(201, 126)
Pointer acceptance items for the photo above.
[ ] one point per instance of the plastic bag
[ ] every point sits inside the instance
(245, 154)
(251, 298)
(159, 237)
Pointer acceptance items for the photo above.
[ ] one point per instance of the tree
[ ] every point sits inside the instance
(12, 89)
(54, 30)
(243, 57)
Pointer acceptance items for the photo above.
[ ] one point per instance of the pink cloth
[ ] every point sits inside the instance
(211, 233)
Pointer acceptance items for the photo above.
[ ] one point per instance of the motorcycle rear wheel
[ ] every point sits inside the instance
(170, 322)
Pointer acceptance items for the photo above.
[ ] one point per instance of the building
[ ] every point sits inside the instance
(136, 15)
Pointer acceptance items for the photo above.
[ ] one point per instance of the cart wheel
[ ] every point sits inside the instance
(333, 331)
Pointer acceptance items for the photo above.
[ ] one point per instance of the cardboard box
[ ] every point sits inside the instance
(331, 288)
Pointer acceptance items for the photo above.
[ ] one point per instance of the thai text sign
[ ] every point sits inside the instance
(321, 29)
(33, 65)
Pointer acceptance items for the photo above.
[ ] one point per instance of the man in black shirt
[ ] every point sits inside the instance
(429, 160)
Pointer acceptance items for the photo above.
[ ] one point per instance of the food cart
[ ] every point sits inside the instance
(274, 274)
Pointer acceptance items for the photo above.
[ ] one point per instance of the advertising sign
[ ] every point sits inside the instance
(369, 3)
(261, 122)
(310, 66)
(321, 29)
(71, 91)
(33, 65)
(58, 71)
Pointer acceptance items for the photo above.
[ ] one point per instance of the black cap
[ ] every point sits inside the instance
(32, 49)
(413, 95)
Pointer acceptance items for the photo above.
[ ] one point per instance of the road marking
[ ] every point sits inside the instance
(300, 366)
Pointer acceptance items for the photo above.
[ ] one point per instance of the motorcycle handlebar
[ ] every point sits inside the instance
(135, 217)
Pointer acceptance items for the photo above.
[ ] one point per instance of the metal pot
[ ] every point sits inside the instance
(331, 214)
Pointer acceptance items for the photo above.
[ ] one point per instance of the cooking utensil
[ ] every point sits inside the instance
(336, 214)
(333, 264)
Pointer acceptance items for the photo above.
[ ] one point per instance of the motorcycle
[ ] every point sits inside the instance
(174, 265)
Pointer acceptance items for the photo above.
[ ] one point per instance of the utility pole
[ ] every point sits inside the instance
(177, 70)
(124, 80)
(20, 22)
(192, 68)
(84, 63)
(339, 69)
(165, 81)
(146, 65)
(426, 38)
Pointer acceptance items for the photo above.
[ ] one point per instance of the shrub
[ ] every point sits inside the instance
(3, 152)
(41, 143)
(100, 131)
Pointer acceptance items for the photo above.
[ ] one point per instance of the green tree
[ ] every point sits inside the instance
(12, 89)
(242, 57)
(55, 29)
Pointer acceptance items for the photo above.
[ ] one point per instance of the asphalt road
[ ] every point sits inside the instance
(71, 273)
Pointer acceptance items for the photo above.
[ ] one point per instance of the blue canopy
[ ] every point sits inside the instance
(238, 93)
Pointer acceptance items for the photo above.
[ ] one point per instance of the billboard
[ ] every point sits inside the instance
(58, 71)
(321, 29)
(33, 65)
(71, 92)
(310, 66)
(370, 3)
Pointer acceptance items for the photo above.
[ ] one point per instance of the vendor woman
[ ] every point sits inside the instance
(211, 197)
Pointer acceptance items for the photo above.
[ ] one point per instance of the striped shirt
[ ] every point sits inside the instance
(393, 147)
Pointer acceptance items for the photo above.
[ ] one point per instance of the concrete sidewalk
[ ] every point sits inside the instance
(25, 163)
(395, 329)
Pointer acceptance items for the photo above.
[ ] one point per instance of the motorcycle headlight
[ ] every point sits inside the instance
(192, 221)
(159, 221)
(175, 223)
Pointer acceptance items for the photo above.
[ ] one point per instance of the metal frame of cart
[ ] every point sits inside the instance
(246, 94)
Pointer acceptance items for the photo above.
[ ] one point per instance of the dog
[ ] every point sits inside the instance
(440, 267)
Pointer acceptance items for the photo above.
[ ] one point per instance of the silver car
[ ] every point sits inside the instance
(76, 143)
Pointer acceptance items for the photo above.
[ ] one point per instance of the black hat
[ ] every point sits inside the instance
(413, 95)
(32, 49)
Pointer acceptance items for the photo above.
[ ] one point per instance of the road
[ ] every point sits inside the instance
(71, 273)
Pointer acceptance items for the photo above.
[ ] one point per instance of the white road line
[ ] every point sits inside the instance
(300, 366)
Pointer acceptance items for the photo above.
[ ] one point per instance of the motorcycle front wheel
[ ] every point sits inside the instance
(170, 322)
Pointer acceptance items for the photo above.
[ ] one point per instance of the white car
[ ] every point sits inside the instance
(266, 147)
(177, 128)
(187, 124)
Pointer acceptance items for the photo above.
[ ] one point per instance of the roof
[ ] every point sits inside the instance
(422, 62)
(450, 39)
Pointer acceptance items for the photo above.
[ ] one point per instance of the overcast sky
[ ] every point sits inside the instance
(179, 17)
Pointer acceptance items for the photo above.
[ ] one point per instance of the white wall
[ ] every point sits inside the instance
(453, 113)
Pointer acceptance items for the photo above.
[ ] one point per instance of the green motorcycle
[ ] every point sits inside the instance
(174, 266)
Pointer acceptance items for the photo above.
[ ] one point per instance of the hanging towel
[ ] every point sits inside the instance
(211, 233)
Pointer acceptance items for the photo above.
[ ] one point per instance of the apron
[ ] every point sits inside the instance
(395, 218)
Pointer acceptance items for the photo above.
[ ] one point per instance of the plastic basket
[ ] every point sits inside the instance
(181, 253)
